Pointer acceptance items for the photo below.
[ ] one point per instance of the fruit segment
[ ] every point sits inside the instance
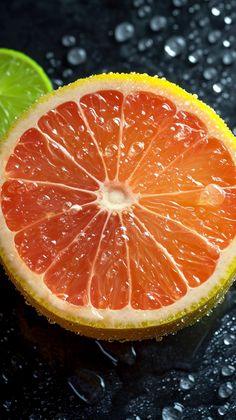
(103, 113)
(145, 116)
(40, 243)
(39, 159)
(110, 282)
(26, 202)
(68, 275)
(65, 126)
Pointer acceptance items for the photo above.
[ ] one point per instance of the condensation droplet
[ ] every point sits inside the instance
(87, 385)
(136, 148)
(228, 20)
(212, 195)
(228, 58)
(66, 206)
(226, 43)
(214, 36)
(144, 11)
(124, 31)
(215, 11)
(179, 3)
(217, 88)
(195, 56)
(57, 82)
(187, 382)
(144, 44)
(227, 370)
(175, 45)
(171, 413)
(157, 23)
(67, 73)
(76, 56)
(225, 390)
(68, 40)
(75, 208)
(110, 150)
(209, 73)
(229, 339)
(223, 409)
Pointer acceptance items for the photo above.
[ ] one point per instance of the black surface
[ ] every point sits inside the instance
(43, 368)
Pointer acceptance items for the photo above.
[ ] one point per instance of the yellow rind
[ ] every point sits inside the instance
(143, 330)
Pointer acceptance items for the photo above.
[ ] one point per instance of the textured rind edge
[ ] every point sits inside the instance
(96, 330)
(147, 329)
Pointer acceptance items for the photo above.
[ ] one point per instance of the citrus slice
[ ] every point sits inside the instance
(118, 206)
(22, 81)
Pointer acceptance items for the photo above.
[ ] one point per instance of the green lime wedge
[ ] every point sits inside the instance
(22, 81)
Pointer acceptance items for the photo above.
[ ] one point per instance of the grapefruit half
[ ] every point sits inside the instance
(118, 206)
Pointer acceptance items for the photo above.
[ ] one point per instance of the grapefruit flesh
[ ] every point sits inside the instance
(120, 202)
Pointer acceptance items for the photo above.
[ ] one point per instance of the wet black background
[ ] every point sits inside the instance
(139, 380)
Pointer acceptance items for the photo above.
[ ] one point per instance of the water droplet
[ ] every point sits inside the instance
(179, 3)
(75, 208)
(49, 55)
(144, 11)
(57, 82)
(228, 58)
(187, 382)
(170, 413)
(203, 22)
(209, 73)
(144, 44)
(175, 45)
(123, 352)
(110, 150)
(136, 148)
(138, 3)
(157, 23)
(87, 385)
(215, 11)
(124, 31)
(67, 73)
(121, 235)
(55, 63)
(217, 88)
(228, 20)
(195, 56)
(76, 56)
(66, 206)
(223, 409)
(68, 40)
(229, 339)
(226, 43)
(214, 36)
(225, 390)
(43, 199)
(227, 370)
(212, 195)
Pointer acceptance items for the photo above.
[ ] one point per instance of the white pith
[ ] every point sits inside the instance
(110, 199)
